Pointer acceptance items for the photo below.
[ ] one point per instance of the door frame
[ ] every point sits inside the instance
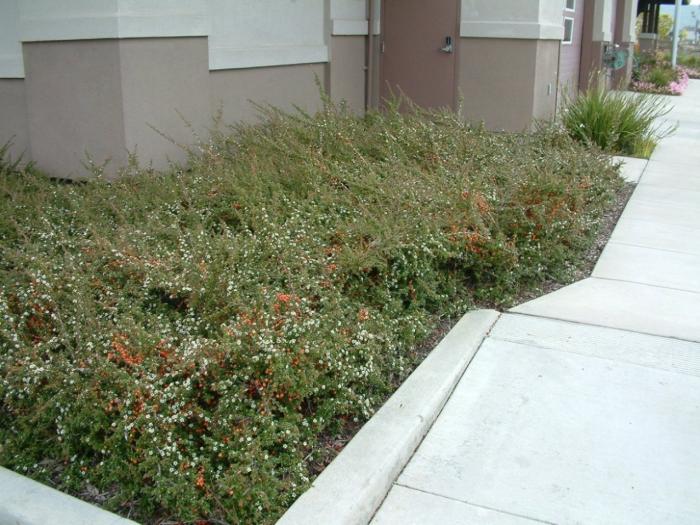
(456, 43)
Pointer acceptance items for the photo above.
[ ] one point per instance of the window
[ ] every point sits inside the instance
(570, 5)
(568, 31)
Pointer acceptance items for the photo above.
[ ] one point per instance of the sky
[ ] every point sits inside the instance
(686, 10)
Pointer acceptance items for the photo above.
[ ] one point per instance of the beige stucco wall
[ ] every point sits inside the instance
(234, 90)
(165, 85)
(74, 94)
(521, 19)
(347, 70)
(13, 123)
(498, 79)
(103, 99)
(106, 98)
(546, 79)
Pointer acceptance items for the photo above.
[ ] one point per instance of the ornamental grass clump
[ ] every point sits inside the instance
(182, 346)
(616, 122)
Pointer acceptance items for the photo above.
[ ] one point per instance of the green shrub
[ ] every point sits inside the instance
(181, 345)
(651, 58)
(661, 76)
(692, 61)
(616, 122)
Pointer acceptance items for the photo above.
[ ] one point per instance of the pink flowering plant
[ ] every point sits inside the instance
(187, 346)
(691, 63)
(653, 73)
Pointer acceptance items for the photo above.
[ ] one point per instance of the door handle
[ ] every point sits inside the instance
(447, 48)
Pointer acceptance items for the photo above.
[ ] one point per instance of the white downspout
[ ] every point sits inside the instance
(370, 55)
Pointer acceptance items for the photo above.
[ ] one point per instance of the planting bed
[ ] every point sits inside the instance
(180, 346)
(653, 73)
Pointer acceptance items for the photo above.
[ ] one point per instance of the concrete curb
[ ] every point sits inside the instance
(26, 502)
(631, 168)
(353, 486)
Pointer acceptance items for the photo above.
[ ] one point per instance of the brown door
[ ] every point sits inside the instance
(418, 50)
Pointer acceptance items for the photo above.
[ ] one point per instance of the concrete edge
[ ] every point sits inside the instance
(353, 486)
(26, 502)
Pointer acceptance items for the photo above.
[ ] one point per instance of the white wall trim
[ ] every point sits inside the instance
(629, 29)
(350, 27)
(602, 21)
(237, 58)
(11, 66)
(68, 28)
(111, 26)
(510, 29)
(280, 41)
(11, 63)
(155, 25)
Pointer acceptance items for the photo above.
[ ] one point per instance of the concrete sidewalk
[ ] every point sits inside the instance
(583, 406)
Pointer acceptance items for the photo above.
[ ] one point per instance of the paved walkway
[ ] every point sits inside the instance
(583, 406)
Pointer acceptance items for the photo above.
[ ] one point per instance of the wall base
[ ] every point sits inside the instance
(507, 83)
(93, 102)
(347, 71)
(13, 124)
(235, 92)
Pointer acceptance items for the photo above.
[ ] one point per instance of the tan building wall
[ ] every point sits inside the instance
(347, 70)
(158, 97)
(508, 82)
(234, 91)
(74, 95)
(108, 95)
(546, 80)
(13, 123)
(148, 96)
(107, 98)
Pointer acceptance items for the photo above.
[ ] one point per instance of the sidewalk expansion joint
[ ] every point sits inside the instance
(645, 247)
(464, 372)
(645, 284)
(486, 507)
(600, 357)
(552, 318)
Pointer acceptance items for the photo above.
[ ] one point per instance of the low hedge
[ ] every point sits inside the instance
(178, 346)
